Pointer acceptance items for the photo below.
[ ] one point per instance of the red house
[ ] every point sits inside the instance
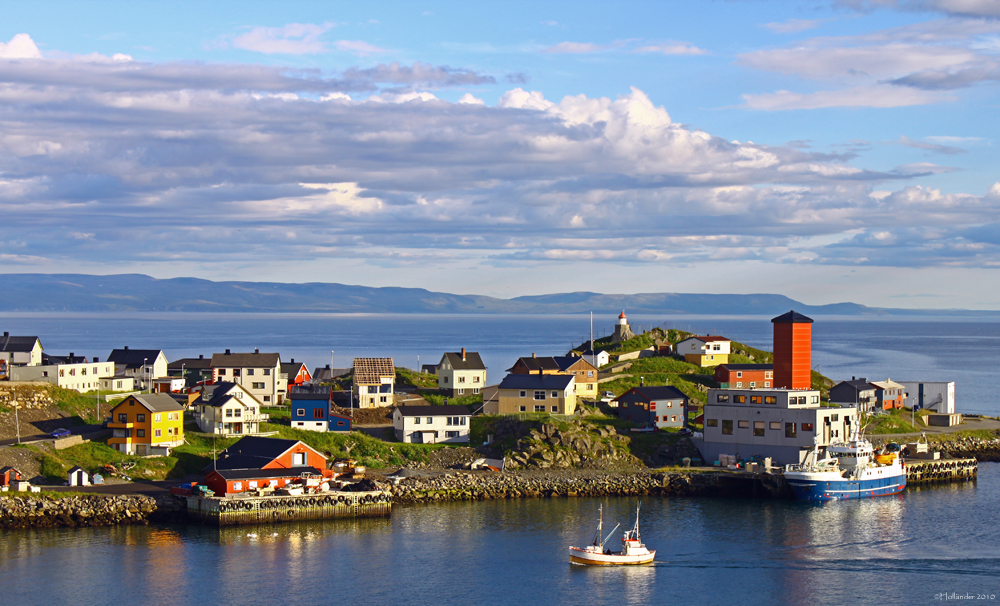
(296, 372)
(9, 475)
(254, 462)
(792, 351)
(744, 375)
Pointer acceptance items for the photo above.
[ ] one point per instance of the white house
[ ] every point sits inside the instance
(709, 350)
(20, 351)
(78, 476)
(259, 374)
(598, 359)
(432, 424)
(143, 365)
(227, 409)
(83, 377)
(461, 374)
(374, 381)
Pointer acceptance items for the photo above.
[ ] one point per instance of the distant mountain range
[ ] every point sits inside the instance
(136, 292)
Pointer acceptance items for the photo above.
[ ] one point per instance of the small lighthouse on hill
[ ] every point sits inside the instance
(792, 351)
(623, 332)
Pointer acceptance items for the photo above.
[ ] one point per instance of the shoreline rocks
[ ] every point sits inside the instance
(90, 510)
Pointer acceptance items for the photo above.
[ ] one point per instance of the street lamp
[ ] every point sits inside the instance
(144, 369)
(17, 423)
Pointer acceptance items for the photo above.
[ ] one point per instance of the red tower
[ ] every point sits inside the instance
(792, 351)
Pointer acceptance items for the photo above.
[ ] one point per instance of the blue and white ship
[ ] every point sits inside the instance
(851, 470)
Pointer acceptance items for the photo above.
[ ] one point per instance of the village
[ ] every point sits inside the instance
(256, 438)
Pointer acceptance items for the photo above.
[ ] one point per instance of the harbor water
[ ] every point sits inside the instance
(907, 549)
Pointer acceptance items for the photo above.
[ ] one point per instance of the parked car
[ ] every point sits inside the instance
(685, 431)
(59, 433)
(608, 394)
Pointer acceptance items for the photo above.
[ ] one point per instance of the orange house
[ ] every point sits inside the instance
(296, 371)
(255, 462)
(147, 424)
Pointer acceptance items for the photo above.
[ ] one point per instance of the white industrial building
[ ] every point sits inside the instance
(938, 396)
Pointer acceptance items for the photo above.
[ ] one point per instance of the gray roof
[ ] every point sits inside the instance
(433, 411)
(133, 358)
(9, 343)
(652, 393)
(251, 452)
(158, 402)
(472, 361)
(329, 374)
(748, 366)
(201, 363)
(220, 393)
(792, 317)
(245, 360)
(536, 382)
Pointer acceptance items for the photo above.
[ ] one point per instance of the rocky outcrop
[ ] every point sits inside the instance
(28, 395)
(91, 510)
(474, 486)
(981, 449)
(574, 444)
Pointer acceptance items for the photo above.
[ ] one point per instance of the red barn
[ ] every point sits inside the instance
(255, 462)
(744, 375)
(9, 475)
(296, 371)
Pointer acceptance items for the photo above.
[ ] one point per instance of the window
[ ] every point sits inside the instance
(446, 379)
(768, 374)
(815, 399)
(590, 373)
(475, 390)
(770, 400)
(555, 409)
(539, 408)
(461, 379)
(475, 379)
(744, 424)
(722, 397)
(252, 484)
(83, 371)
(158, 433)
(758, 428)
(249, 372)
(790, 430)
(62, 372)
(716, 347)
(739, 399)
(222, 372)
(258, 385)
(229, 413)
(141, 433)
(462, 421)
(670, 404)
(383, 399)
(521, 408)
(141, 418)
(122, 418)
(753, 384)
(755, 399)
(807, 427)
(237, 485)
(318, 413)
(236, 372)
(267, 372)
(459, 392)
(267, 398)
(416, 420)
(712, 423)
(727, 428)
(539, 395)
(451, 434)
(775, 425)
(523, 394)
(652, 405)
(448, 420)
(430, 420)
(45, 373)
(835, 418)
(298, 459)
(555, 394)
(739, 374)
(739, 383)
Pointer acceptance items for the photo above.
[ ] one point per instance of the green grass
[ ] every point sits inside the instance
(897, 421)
(81, 405)
(369, 451)
(420, 380)
(277, 413)
(436, 398)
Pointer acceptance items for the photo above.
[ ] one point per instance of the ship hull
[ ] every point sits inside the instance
(830, 487)
(587, 558)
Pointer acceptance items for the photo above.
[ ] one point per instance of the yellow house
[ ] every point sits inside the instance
(704, 351)
(147, 424)
(554, 394)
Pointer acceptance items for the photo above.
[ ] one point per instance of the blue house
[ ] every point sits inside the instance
(340, 423)
(311, 409)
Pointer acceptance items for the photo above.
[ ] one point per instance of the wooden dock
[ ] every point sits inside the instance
(926, 471)
(226, 511)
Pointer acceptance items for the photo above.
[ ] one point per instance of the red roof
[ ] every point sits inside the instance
(709, 338)
(622, 316)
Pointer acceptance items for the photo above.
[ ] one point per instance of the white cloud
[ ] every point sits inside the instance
(292, 39)
(859, 96)
(357, 47)
(679, 48)
(574, 48)
(21, 46)
(469, 99)
(793, 26)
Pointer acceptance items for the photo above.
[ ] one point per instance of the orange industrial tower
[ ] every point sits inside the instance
(792, 351)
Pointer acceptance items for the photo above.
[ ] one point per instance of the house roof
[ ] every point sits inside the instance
(652, 393)
(9, 343)
(133, 358)
(264, 474)
(252, 452)
(792, 317)
(433, 411)
(536, 381)
(292, 368)
(201, 363)
(535, 363)
(155, 402)
(564, 362)
(370, 371)
(245, 360)
(429, 368)
(221, 393)
(747, 366)
(472, 361)
(328, 374)
(48, 360)
(706, 338)
(887, 384)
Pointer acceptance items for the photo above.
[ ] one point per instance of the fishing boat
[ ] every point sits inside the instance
(633, 550)
(850, 470)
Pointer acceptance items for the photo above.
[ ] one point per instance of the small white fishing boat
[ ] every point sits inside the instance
(633, 550)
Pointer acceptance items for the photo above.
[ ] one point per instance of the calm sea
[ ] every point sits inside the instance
(908, 549)
(938, 348)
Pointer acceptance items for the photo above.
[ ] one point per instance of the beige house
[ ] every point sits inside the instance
(258, 373)
(554, 394)
(20, 351)
(704, 351)
(581, 368)
(461, 374)
(374, 382)
(227, 409)
(84, 376)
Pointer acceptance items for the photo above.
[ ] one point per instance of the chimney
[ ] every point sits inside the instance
(201, 356)
(96, 359)
(463, 355)
(6, 334)
(328, 367)
(533, 355)
(71, 354)
(227, 352)
(255, 350)
(126, 348)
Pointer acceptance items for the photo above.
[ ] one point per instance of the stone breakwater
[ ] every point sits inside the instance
(474, 486)
(96, 510)
(981, 449)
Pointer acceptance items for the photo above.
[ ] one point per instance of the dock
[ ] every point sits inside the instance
(228, 511)
(926, 471)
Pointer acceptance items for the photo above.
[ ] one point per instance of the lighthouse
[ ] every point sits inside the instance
(623, 332)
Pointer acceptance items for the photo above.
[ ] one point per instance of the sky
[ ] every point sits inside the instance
(828, 150)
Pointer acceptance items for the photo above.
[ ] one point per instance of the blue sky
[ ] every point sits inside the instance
(828, 151)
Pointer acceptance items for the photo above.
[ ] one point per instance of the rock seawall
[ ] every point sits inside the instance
(90, 510)
(982, 449)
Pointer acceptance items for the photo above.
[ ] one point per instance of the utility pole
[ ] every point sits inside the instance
(17, 423)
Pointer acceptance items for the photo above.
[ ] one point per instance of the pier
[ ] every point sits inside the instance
(926, 471)
(227, 511)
